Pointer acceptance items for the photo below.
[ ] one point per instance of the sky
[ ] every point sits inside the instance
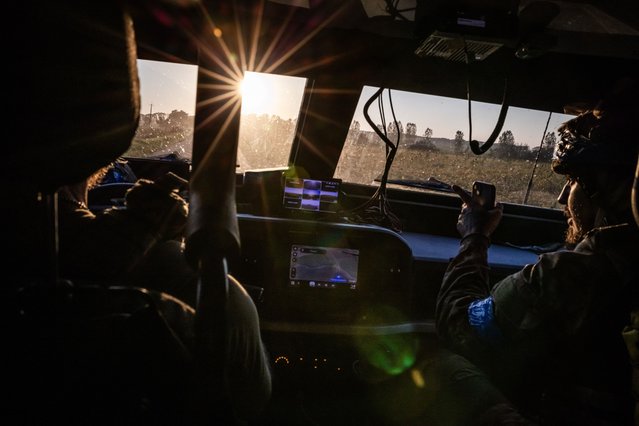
(168, 86)
(445, 116)
(272, 94)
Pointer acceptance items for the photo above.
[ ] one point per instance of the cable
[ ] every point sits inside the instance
(390, 157)
(376, 210)
(474, 145)
(532, 175)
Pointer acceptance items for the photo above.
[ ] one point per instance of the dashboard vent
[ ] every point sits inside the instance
(452, 48)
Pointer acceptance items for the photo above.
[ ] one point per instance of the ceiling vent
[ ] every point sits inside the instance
(451, 47)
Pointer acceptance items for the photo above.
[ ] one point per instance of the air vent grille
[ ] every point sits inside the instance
(452, 48)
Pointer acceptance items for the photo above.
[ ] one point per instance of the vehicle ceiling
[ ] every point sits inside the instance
(581, 46)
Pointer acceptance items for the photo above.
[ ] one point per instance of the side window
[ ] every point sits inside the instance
(168, 93)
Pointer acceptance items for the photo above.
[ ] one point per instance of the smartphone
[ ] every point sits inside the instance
(484, 193)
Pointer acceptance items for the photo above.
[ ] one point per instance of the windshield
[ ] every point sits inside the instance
(434, 153)
(433, 150)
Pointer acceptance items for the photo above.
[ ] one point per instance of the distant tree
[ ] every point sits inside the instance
(459, 141)
(505, 147)
(548, 147)
(507, 138)
(426, 142)
(428, 134)
(411, 129)
(392, 130)
(177, 118)
(550, 140)
(353, 132)
(160, 116)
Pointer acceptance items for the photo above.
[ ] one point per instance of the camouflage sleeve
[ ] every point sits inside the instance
(555, 298)
(465, 281)
(534, 308)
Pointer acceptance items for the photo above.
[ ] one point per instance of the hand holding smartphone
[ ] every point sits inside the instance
(484, 194)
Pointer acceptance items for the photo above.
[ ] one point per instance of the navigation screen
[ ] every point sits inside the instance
(312, 195)
(323, 267)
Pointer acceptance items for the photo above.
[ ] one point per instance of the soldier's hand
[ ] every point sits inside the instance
(160, 205)
(475, 219)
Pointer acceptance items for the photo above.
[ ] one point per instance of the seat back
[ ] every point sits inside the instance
(79, 107)
(80, 353)
(82, 108)
(109, 357)
(79, 95)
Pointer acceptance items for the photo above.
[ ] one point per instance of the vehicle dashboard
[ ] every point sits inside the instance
(391, 268)
(313, 328)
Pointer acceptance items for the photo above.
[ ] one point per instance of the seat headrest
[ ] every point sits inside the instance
(79, 97)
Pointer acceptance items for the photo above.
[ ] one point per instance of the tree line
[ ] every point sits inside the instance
(505, 146)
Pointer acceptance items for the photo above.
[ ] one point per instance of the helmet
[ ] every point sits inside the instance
(603, 139)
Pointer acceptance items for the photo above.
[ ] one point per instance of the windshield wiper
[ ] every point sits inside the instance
(430, 183)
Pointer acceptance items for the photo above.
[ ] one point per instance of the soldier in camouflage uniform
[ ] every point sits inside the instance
(545, 345)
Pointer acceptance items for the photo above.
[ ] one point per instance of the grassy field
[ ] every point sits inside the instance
(152, 144)
(363, 163)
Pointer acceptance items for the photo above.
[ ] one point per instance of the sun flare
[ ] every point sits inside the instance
(257, 94)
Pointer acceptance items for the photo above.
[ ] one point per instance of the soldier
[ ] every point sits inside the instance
(549, 337)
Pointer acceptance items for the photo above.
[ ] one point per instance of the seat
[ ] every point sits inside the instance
(85, 353)
(99, 355)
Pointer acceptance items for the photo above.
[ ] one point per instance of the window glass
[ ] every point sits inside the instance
(270, 109)
(434, 150)
(167, 95)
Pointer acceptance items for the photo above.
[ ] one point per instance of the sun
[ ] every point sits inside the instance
(257, 94)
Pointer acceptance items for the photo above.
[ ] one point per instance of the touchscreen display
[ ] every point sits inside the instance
(323, 267)
(311, 194)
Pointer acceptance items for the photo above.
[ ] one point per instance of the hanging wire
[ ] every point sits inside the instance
(541, 145)
(376, 209)
(474, 145)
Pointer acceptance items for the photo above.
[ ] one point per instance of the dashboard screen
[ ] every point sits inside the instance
(311, 194)
(323, 267)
